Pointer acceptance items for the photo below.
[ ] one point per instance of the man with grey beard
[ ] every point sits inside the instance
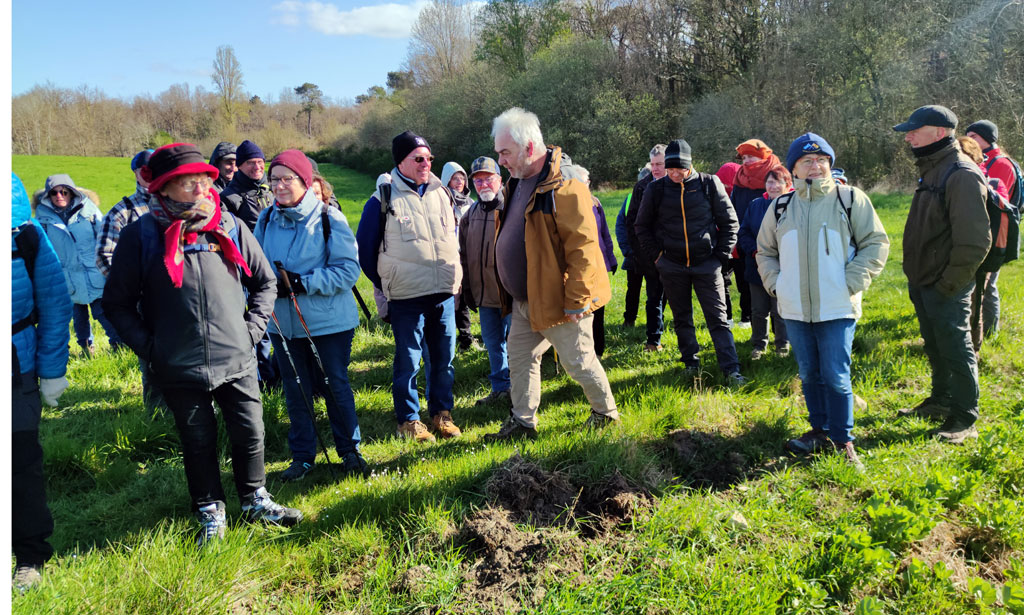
(479, 282)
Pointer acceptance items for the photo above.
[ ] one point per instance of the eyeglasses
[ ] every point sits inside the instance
(287, 179)
(60, 191)
(189, 185)
(482, 181)
(421, 159)
(811, 160)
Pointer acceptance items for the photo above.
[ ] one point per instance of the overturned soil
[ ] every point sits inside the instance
(960, 549)
(704, 460)
(530, 493)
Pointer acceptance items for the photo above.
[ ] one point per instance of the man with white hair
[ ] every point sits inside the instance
(550, 272)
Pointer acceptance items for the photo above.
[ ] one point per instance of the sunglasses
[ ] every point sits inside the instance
(422, 159)
(61, 192)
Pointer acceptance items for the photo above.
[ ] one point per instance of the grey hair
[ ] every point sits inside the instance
(522, 125)
(658, 150)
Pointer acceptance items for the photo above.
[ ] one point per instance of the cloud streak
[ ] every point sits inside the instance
(389, 20)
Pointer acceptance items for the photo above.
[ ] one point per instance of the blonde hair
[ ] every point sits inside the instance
(971, 148)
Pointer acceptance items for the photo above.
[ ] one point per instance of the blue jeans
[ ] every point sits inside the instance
(83, 329)
(335, 351)
(822, 351)
(420, 322)
(945, 328)
(494, 330)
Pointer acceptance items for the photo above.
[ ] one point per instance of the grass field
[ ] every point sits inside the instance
(689, 507)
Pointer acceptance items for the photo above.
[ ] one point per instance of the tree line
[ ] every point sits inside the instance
(609, 78)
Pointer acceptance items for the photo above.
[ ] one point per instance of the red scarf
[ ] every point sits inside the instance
(184, 226)
(753, 175)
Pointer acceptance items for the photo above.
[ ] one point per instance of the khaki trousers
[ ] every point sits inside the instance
(574, 343)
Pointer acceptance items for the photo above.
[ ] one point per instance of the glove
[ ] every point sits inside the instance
(294, 279)
(51, 388)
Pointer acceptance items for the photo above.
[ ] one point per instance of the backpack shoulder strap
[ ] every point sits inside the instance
(781, 204)
(385, 209)
(325, 226)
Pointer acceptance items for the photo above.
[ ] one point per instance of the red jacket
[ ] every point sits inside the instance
(1001, 169)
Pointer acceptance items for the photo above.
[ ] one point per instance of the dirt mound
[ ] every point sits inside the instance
(610, 504)
(509, 559)
(704, 459)
(530, 493)
(958, 548)
(411, 579)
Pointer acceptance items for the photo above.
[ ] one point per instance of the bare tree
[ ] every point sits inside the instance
(442, 40)
(227, 79)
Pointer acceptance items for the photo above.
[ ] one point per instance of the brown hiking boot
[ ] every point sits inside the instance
(415, 430)
(929, 409)
(512, 429)
(444, 425)
(648, 347)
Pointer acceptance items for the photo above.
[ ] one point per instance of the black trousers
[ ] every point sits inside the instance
(240, 405)
(634, 284)
(462, 323)
(31, 521)
(704, 280)
(599, 331)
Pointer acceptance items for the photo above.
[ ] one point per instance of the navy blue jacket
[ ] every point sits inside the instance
(747, 240)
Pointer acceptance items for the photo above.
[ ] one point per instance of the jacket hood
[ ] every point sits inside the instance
(551, 176)
(85, 199)
(450, 169)
(224, 148)
(21, 209)
(60, 179)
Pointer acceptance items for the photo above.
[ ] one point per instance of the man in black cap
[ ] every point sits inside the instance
(687, 227)
(945, 240)
(224, 157)
(409, 249)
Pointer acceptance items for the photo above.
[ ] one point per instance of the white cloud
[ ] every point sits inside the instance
(389, 20)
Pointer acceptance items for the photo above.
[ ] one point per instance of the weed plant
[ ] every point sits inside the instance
(732, 524)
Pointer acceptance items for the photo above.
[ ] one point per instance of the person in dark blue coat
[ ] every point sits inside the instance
(40, 311)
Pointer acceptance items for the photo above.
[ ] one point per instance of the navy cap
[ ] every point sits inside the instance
(483, 164)
(928, 115)
(141, 159)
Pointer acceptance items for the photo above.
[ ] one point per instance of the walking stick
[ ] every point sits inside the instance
(309, 406)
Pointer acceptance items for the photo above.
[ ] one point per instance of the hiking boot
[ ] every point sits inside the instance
(495, 397)
(512, 429)
(813, 441)
(600, 421)
(735, 380)
(928, 409)
(444, 425)
(353, 464)
(649, 347)
(755, 355)
(850, 454)
(212, 523)
(469, 342)
(691, 371)
(296, 471)
(956, 431)
(782, 352)
(260, 508)
(416, 431)
(26, 576)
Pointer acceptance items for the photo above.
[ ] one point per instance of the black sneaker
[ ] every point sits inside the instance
(212, 523)
(512, 429)
(930, 408)
(353, 464)
(813, 441)
(956, 431)
(296, 471)
(599, 421)
(260, 508)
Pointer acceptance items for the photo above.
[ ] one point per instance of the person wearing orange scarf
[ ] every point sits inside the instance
(748, 185)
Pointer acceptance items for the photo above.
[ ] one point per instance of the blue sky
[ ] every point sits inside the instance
(125, 49)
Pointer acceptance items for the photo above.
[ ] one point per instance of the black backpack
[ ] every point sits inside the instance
(1003, 216)
(26, 247)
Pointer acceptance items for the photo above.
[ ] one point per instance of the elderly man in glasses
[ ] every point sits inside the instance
(409, 249)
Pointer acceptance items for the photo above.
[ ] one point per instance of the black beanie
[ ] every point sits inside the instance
(986, 130)
(405, 143)
(677, 155)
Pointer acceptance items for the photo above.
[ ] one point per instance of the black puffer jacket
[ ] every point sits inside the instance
(199, 335)
(682, 225)
(246, 198)
(631, 213)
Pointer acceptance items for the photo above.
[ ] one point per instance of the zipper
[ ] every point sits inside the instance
(686, 234)
(483, 254)
(206, 321)
(824, 233)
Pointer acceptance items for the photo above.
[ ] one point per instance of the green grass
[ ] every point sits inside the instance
(109, 178)
(929, 528)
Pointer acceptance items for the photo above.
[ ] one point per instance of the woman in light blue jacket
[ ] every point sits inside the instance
(322, 266)
(72, 222)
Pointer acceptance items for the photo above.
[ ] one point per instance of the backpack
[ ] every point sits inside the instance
(26, 247)
(150, 238)
(1003, 216)
(1016, 191)
(659, 189)
(325, 226)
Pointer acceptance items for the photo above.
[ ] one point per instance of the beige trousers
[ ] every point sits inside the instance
(574, 343)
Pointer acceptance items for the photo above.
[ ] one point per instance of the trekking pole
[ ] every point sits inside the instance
(362, 304)
(309, 406)
(309, 336)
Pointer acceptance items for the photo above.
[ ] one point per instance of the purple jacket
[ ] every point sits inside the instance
(607, 247)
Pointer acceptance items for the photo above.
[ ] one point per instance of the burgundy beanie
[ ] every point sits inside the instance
(296, 161)
(172, 160)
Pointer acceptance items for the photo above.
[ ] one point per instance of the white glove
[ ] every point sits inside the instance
(51, 389)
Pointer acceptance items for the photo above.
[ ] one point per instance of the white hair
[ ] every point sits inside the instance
(521, 125)
(658, 150)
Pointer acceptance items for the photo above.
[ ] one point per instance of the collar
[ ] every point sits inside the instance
(308, 205)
